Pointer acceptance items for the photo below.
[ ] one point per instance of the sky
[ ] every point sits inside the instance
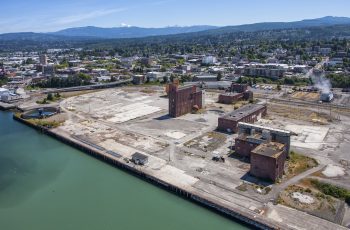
(54, 15)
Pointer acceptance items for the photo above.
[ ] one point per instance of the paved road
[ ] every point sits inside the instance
(280, 187)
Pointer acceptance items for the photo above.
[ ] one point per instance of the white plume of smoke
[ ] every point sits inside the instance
(320, 81)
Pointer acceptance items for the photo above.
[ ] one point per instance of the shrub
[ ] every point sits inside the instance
(332, 190)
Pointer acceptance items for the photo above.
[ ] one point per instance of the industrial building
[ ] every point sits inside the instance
(259, 134)
(205, 78)
(139, 158)
(236, 93)
(267, 149)
(326, 96)
(238, 88)
(267, 161)
(248, 113)
(183, 100)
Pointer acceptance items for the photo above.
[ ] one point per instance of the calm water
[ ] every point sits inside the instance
(45, 184)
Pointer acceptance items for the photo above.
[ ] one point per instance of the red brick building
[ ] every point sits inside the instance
(267, 161)
(248, 113)
(243, 146)
(236, 93)
(183, 100)
(230, 98)
(239, 88)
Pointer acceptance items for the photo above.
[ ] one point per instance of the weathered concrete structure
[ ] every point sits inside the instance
(267, 161)
(248, 113)
(259, 134)
(184, 100)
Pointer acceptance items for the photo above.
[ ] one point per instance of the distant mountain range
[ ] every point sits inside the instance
(129, 32)
(325, 21)
(90, 32)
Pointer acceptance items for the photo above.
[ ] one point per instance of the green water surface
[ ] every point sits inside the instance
(45, 184)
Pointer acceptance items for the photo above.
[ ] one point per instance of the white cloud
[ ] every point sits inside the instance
(81, 17)
(124, 25)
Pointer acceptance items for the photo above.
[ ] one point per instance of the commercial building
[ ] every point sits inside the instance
(138, 79)
(273, 71)
(205, 78)
(209, 60)
(4, 91)
(43, 59)
(248, 113)
(267, 161)
(156, 76)
(183, 100)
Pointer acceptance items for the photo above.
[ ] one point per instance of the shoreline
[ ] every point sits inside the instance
(195, 197)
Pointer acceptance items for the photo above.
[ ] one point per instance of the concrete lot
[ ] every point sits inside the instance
(126, 120)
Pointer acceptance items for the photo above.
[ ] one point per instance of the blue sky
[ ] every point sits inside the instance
(45, 16)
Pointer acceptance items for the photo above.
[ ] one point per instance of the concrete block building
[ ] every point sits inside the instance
(183, 100)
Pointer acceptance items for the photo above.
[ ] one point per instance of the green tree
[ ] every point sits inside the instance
(113, 79)
(49, 97)
(279, 87)
(219, 76)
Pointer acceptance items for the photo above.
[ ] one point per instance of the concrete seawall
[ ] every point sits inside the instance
(212, 204)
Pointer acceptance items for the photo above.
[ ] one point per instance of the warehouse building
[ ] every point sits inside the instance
(248, 113)
(183, 100)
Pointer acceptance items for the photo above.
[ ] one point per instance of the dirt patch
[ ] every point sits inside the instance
(311, 201)
(297, 164)
(148, 91)
(77, 93)
(207, 142)
(299, 113)
(253, 188)
(308, 96)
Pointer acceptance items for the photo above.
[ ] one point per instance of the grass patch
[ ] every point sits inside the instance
(46, 124)
(243, 187)
(298, 163)
(50, 98)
